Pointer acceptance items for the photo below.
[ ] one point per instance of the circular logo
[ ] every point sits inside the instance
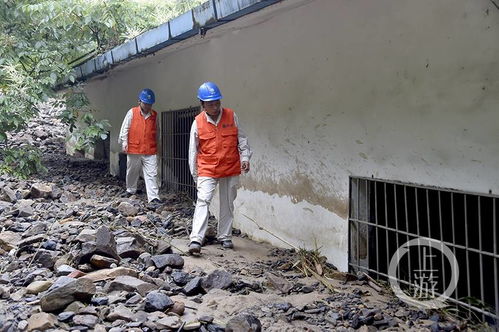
(434, 303)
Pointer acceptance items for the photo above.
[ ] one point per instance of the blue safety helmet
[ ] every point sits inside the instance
(209, 91)
(147, 96)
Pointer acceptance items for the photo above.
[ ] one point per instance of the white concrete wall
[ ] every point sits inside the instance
(395, 89)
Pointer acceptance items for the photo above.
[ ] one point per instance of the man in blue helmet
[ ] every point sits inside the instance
(218, 153)
(138, 138)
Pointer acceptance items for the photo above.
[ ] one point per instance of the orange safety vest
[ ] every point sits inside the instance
(142, 133)
(218, 152)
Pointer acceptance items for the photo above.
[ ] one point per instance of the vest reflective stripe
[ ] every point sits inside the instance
(142, 133)
(218, 152)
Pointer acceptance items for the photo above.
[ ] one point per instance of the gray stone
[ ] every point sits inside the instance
(20, 227)
(243, 322)
(157, 301)
(64, 270)
(49, 245)
(169, 322)
(65, 316)
(31, 240)
(9, 240)
(8, 195)
(191, 326)
(121, 313)
(66, 290)
(41, 322)
(131, 284)
(110, 274)
(67, 197)
(86, 235)
(4, 206)
(105, 243)
(127, 209)
(22, 325)
(279, 283)
(193, 287)
(172, 260)
(163, 247)
(102, 262)
(103, 300)
(56, 192)
(206, 319)
(46, 258)
(134, 299)
(25, 211)
(180, 277)
(38, 286)
(217, 279)
(129, 247)
(85, 320)
(36, 229)
(39, 190)
(285, 306)
(75, 306)
(145, 258)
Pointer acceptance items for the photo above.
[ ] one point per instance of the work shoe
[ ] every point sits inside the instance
(154, 204)
(227, 244)
(129, 194)
(194, 247)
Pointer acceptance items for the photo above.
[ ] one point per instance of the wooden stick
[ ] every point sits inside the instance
(277, 237)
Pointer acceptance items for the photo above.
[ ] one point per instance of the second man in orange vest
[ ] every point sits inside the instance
(218, 152)
(138, 138)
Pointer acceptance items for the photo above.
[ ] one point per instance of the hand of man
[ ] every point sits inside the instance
(245, 166)
(124, 147)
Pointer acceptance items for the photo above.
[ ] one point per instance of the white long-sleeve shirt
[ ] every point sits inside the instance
(125, 127)
(244, 148)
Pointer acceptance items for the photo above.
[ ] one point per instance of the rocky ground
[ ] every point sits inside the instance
(77, 254)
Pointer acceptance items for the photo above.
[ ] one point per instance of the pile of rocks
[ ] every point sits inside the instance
(77, 254)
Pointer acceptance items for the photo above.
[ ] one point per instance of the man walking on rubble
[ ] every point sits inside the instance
(218, 153)
(138, 138)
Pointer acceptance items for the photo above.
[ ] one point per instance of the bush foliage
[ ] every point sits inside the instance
(39, 43)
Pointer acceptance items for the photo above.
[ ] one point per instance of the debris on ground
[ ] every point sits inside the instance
(77, 254)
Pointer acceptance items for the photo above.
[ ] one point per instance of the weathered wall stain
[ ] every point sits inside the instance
(299, 187)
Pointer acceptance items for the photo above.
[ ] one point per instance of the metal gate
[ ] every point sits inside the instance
(175, 129)
(384, 215)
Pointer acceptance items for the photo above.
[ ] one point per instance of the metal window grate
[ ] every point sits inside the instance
(175, 129)
(384, 215)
